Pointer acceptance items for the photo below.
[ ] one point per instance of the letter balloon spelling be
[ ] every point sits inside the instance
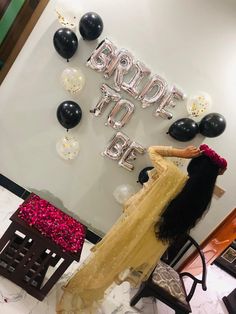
(69, 115)
(123, 150)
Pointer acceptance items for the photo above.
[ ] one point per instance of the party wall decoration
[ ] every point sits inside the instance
(69, 115)
(73, 80)
(65, 42)
(123, 150)
(110, 95)
(199, 104)
(90, 26)
(149, 90)
(68, 13)
(68, 147)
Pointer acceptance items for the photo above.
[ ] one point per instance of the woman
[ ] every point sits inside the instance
(131, 249)
(191, 203)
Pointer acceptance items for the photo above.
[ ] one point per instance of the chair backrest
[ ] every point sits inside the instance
(166, 284)
(202, 281)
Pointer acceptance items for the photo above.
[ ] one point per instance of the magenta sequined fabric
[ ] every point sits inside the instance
(53, 223)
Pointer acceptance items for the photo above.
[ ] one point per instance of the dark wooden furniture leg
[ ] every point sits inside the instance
(230, 302)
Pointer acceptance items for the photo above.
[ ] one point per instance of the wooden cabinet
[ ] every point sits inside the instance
(214, 245)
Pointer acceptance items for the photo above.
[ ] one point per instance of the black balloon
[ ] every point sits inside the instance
(143, 175)
(212, 125)
(90, 26)
(69, 114)
(65, 42)
(184, 129)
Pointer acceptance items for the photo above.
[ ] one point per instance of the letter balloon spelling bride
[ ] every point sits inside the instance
(167, 206)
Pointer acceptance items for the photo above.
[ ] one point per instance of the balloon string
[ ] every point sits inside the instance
(67, 60)
(67, 130)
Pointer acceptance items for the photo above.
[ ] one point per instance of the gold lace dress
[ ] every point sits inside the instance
(130, 250)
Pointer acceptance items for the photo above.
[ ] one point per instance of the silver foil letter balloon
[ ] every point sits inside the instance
(140, 72)
(157, 85)
(168, 100)
(102, 56)
(121, 105)
(131, 154)
(118, 144)
(120, 65)
(108, 95)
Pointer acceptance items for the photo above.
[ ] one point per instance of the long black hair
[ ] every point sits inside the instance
(187, 208)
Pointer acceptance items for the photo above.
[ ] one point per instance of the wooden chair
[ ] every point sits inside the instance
(167, 285)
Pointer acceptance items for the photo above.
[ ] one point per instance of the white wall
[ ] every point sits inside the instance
(191, 43)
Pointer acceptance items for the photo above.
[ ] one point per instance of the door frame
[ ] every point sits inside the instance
(22, 39)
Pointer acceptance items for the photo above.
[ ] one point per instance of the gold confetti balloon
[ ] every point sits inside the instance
(199, 104)
(68, 147)
(68, 13)
(73, 80)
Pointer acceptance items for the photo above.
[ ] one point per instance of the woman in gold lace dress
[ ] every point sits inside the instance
(131, 249)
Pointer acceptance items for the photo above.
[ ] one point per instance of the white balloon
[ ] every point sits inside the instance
(199, 104)
(68, 147)
(123, 192)
(68, 13)
(73, 80)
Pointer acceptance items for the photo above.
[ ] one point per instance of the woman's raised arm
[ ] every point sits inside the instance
(169, 151)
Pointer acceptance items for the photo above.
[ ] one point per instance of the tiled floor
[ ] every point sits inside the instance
(13, 300)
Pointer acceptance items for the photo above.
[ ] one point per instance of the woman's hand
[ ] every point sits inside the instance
(190, 152)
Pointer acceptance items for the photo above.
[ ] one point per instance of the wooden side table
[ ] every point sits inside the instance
(26, 255)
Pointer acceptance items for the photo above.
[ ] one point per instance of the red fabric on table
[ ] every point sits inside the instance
(53, 223)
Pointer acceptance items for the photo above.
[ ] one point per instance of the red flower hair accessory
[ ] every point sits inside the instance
(217, 159)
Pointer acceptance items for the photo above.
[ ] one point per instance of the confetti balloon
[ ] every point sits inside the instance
(199, 104)
(73, 80)
(68, 13)
(68, 147)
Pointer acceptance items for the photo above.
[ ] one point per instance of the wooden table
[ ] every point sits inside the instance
(26, 255)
